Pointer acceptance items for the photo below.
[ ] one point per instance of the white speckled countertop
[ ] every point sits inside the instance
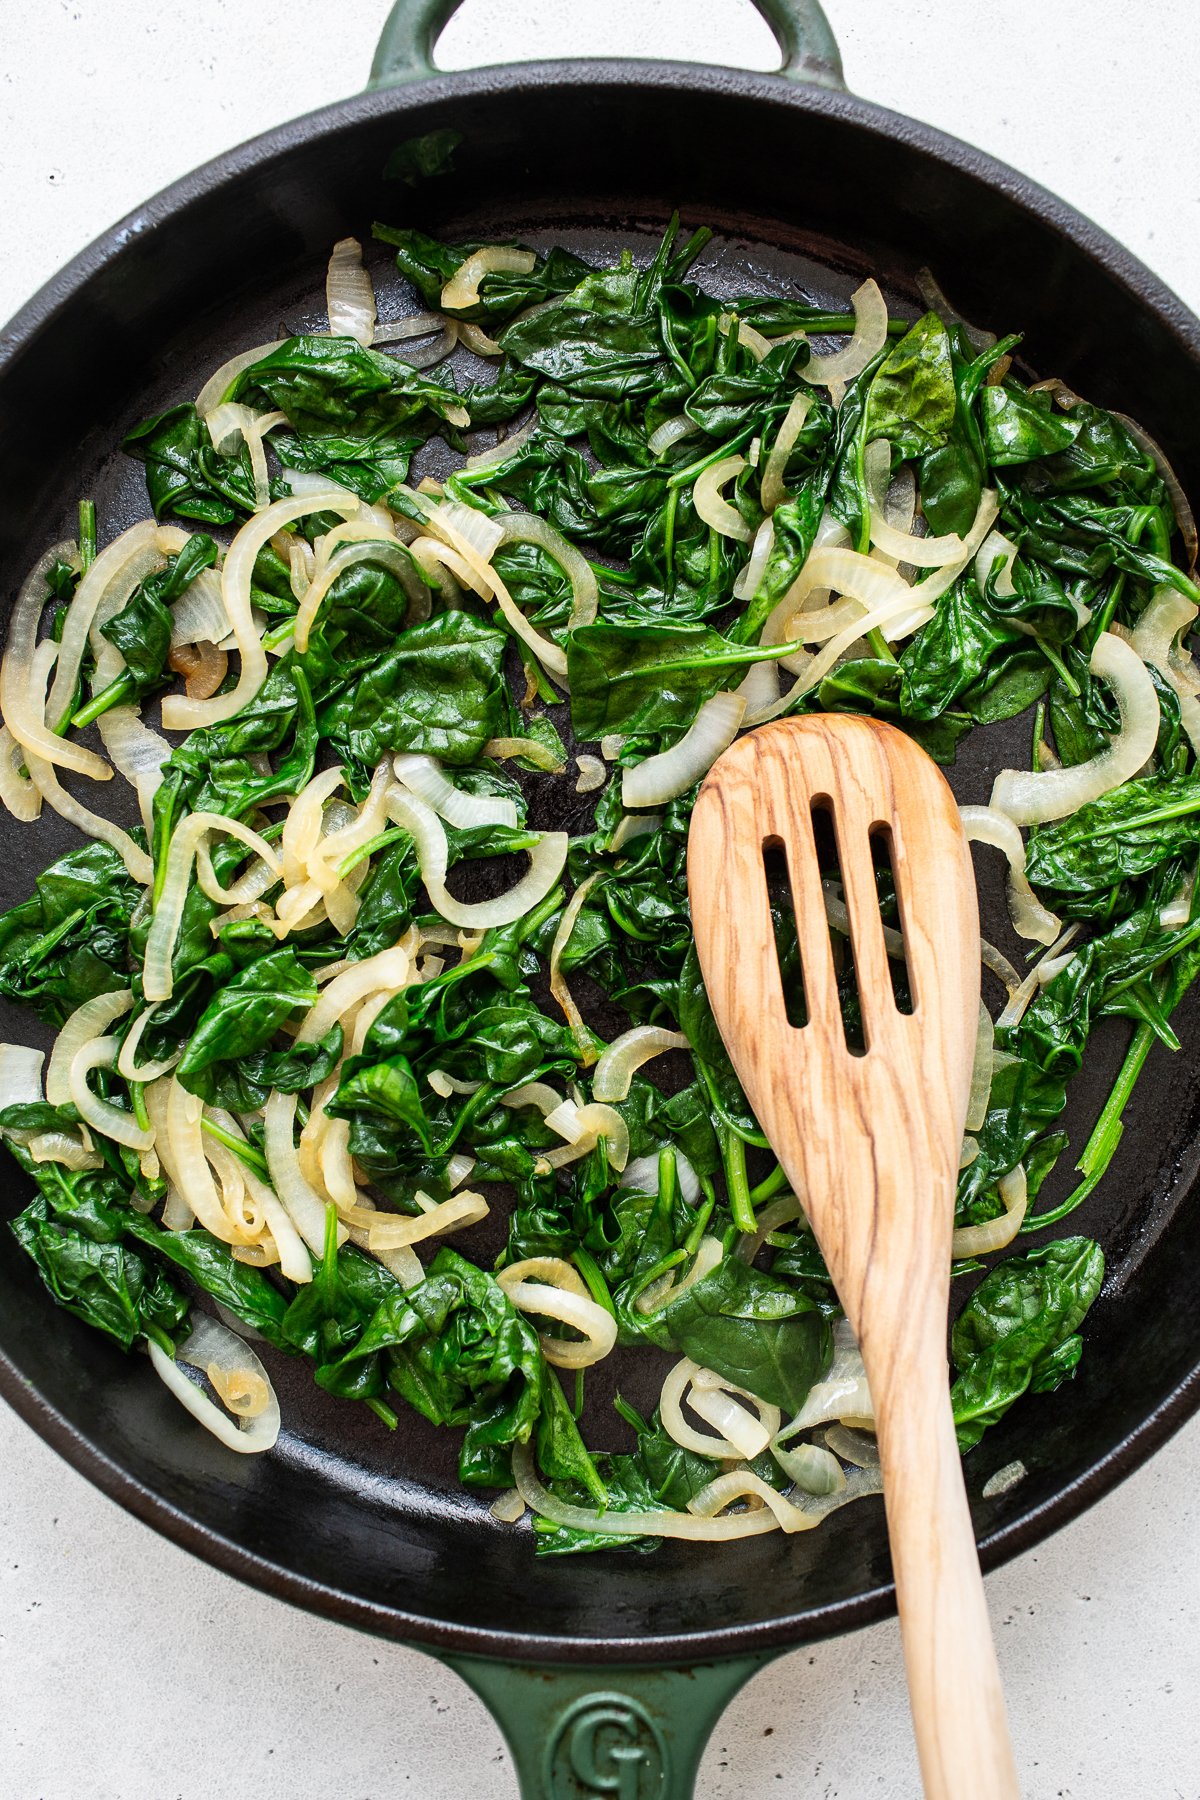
(130, 1671)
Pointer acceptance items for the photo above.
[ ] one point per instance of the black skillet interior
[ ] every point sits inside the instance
(805, 190)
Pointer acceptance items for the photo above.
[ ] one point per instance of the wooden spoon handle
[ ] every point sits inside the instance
(953, 1680)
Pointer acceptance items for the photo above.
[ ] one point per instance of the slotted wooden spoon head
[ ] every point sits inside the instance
(871, 1141)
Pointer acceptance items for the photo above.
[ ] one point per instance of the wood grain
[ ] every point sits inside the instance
(871, 1142)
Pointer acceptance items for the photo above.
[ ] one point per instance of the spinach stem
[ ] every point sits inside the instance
(1106, 1135)
(1059, 666)
(683, 477)
(87, 535)
(695, 1236)
(384, 1412)
(733, 1155)
(253, 1159)
(115, 694)
(137, 1094)
(380, 841)
(772, 1184)
(593, 1275)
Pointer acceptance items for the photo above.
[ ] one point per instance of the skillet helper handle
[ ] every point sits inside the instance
(802, 31)
(954, 1686)
(601, 1733)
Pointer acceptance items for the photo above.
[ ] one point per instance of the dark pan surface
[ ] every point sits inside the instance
(345, 1518)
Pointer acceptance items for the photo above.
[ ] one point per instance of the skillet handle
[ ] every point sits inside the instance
(802, 31)
(583, 1733)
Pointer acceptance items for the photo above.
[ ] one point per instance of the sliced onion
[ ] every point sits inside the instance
(398, 331)
(744, 1484)
(182, 714)
(812, 1468)
(462, 289)
(472, 533)
(20, 1075)
(385, 551)
(620, 1061)
(772, 490)
(660, 1523)
(1008, 1477)
(546, 862)
(759, 688)
(507, 447)
(551, 1288)
(424, 777)
(588, 1125)
(1031, 920)
(89, 1021)
(747, 583)
(199, 616)
(558, 981)
(869, 338)
(921, 552)
(18, 791)
(998, 965)
(1033, 797)
(996, 548)
(530, 528)
(508, 1507)
(842, 1393)
(1020, 997)
(838, 914)
(157, 978)
(981, 1071)
(303, 1204)
(533, 1093)
(1156, 640)
(995, 1234)
(22, 707)
(708, 1256)
(395, 1231)
(136, 751)
(63, 1147)
(776, 1213)
(222, 380)
(853, 1446)
(754, 341)
(530, 750)
(740, 1432)
(671, 431)
(349, 294)
(674, 771)
(712, 508)
(592, 774)
(231, 1365)
(102, 1115)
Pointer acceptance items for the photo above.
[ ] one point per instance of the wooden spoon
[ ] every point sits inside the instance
(871, 1142)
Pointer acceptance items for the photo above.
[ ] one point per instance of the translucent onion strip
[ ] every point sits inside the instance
(221, 380)
(672, 772)
(20, 795)
(621, 1060)
(1156, 639)
(552, 1289)
(995, 1234)
(921, 552)
(740, 1431)
(981, 1071)
(546, 862)
(22, 707)
(462, 289)
(424, 777)
(530, 528)
(1031, 920)
(842, 1393)
(558, 981)
(91, 1020)
(1034, 797)
(869, 338)
(233, 1369)
(712, 507)
(136, 550)
(771, 489)
(178, 712)
(349, 294)
(664, 1523)
(157, 978)
(102, 1115)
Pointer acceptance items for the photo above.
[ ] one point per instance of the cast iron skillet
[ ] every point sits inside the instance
(801, 182)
